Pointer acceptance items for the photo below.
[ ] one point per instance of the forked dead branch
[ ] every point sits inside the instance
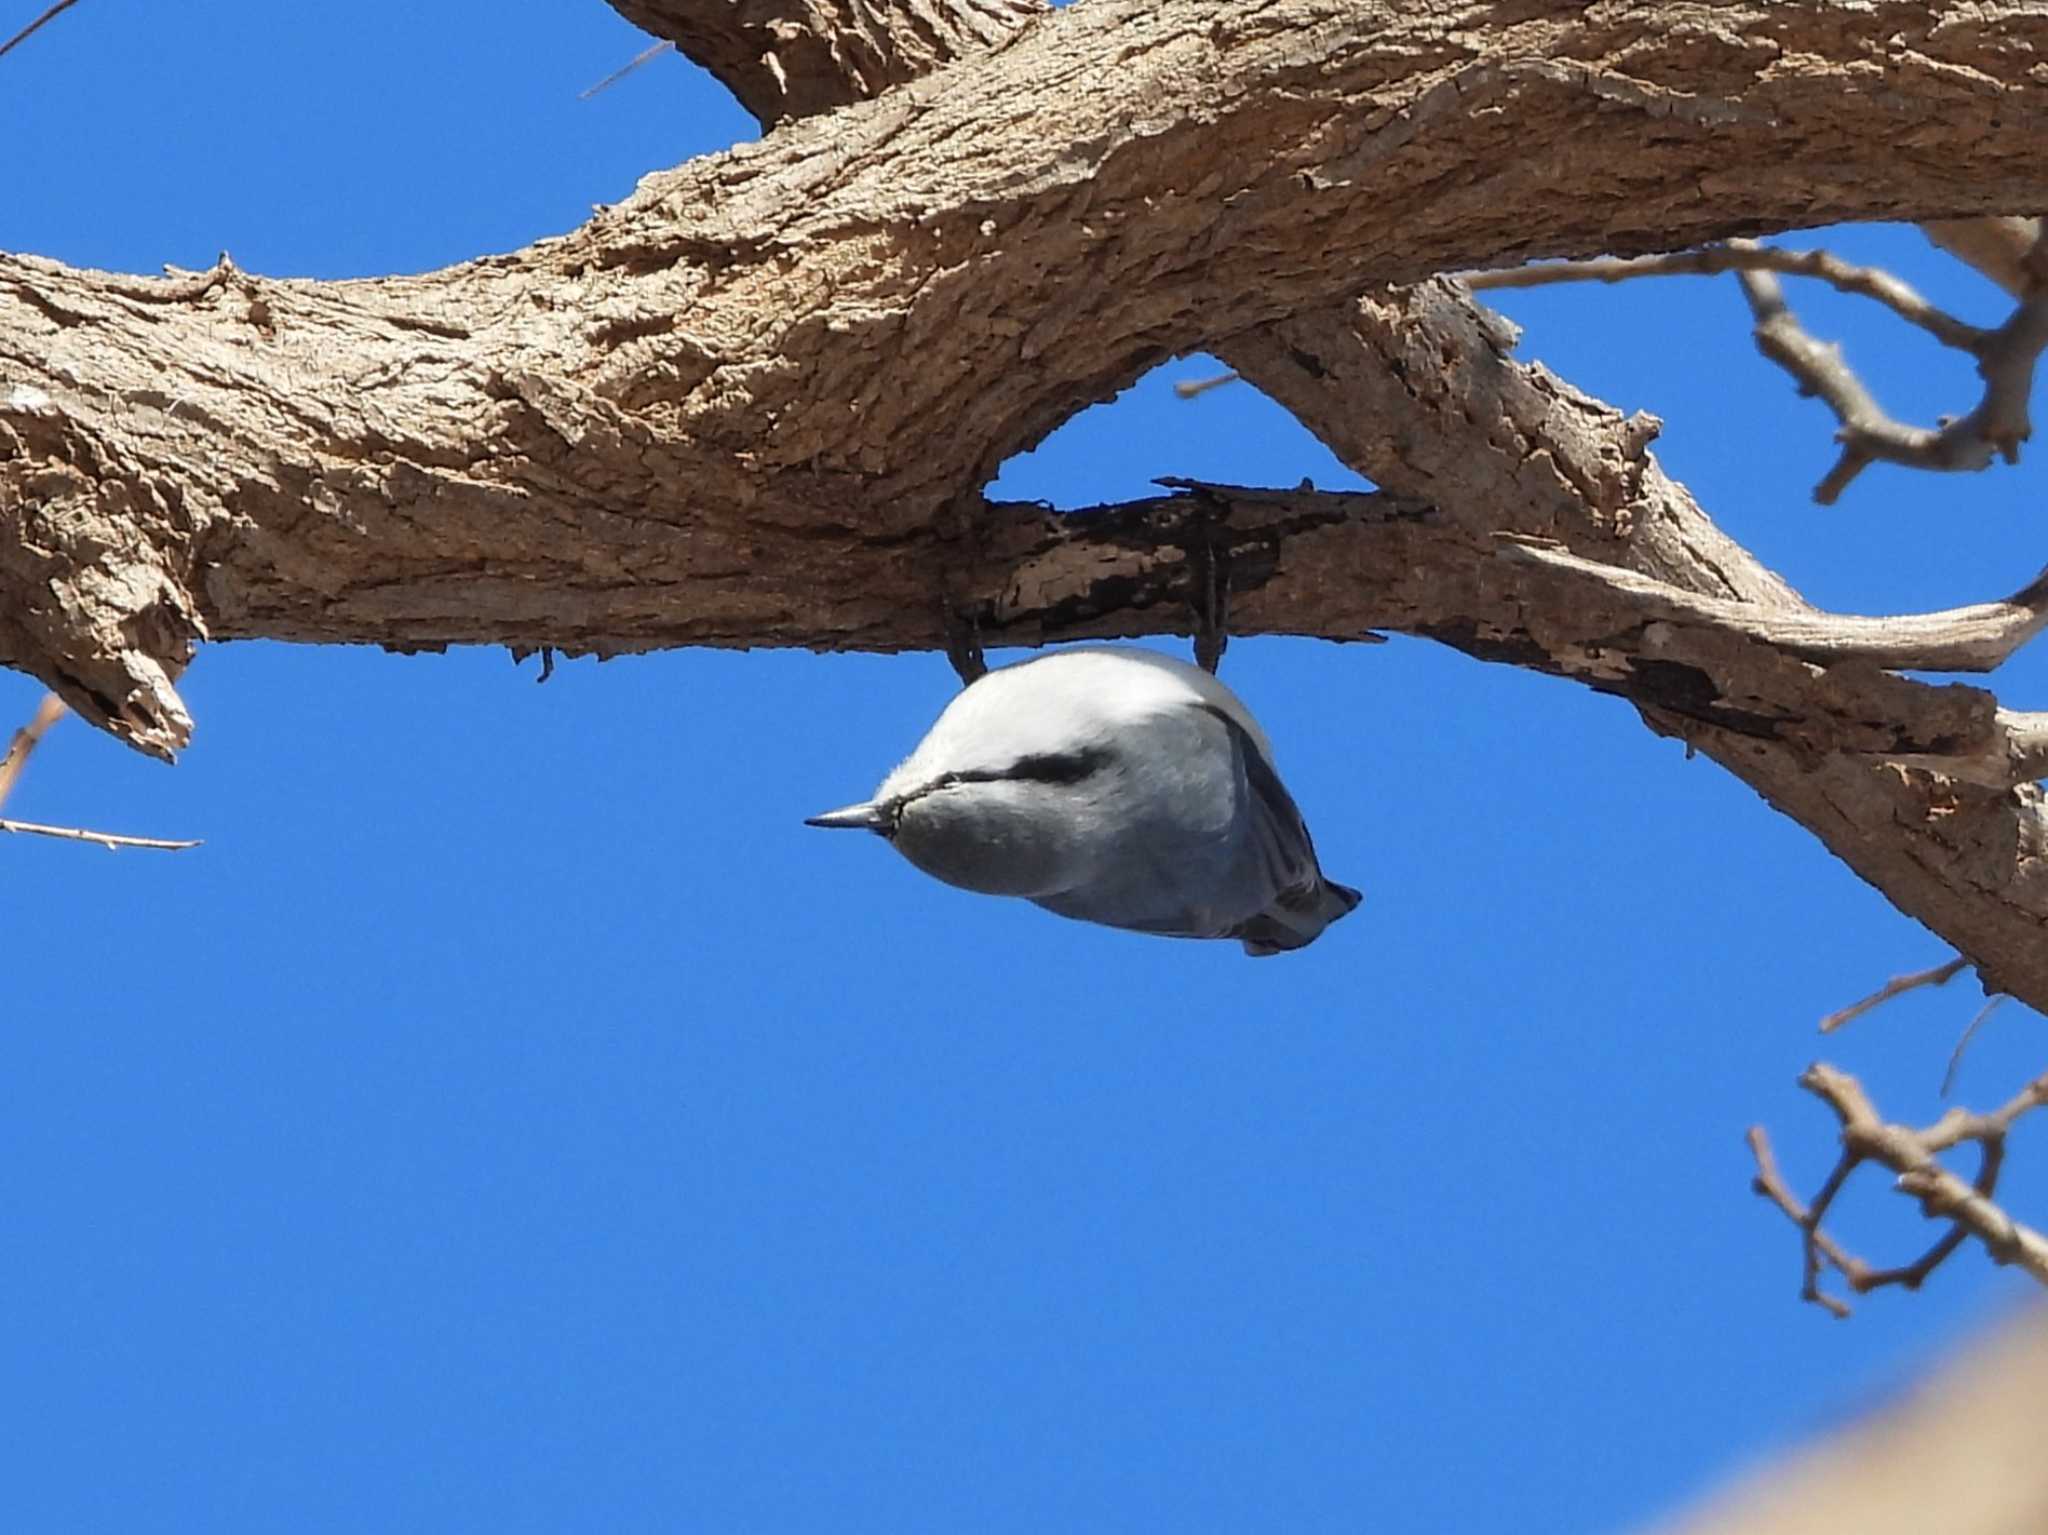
(1914, 1158)
(1993, 429)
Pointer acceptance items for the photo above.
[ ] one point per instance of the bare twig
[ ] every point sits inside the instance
(48, 712)
(1993, 430)
(1940, 975)
(1955, 1059)
(107, 840)
(1914, 1155)
(1816, 1244)
(1742, 256)
(1188, 388)
(35, 26)
(645, 55)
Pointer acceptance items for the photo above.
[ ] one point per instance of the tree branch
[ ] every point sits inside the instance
(50, 14)
(1898, 985)
(1978, 638)
(25, 741)
(1866, 282)
(833, 334)
(1997, 426)
(1914, 1155)
(107, 840)
(1416, 389)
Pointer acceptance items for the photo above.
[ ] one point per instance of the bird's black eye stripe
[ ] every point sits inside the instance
(1041, 767)
(1059, 767)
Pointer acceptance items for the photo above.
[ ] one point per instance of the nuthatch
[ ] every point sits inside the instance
(1115, 786)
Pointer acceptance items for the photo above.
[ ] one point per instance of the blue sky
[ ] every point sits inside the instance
(513, 1119)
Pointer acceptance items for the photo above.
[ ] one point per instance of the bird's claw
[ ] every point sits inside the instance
(963, 646)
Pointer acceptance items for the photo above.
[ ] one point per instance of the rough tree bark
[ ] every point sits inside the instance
(791, 58)
(755, 403)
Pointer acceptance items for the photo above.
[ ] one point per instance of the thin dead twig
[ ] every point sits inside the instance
(1955, 1058)
(107, 840)
(37, 25)
(1898, 985)
(1816, 1244)
(1914, 1156)
(645, 55)
(48, 712)
(1712, 260)
(1188, 388)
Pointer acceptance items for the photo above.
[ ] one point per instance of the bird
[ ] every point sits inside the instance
(1111, 785)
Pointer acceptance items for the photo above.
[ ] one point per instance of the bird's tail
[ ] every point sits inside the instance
(1297, 918)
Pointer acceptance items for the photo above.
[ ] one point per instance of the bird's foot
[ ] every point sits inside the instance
(1209, 596)
(963, 646)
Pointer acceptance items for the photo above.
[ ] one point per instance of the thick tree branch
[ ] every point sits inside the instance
(1417, 392)
(1978, 638)
(1361, 563)
(1415, 388)
(792, 58)
(842, 329)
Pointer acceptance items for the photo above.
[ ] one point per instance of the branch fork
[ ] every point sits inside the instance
(1914, 1157)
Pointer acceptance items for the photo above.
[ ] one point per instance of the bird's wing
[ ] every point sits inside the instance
(1280, 858)
(1280, 837)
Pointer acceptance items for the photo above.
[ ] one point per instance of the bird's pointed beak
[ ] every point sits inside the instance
(868, 817)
